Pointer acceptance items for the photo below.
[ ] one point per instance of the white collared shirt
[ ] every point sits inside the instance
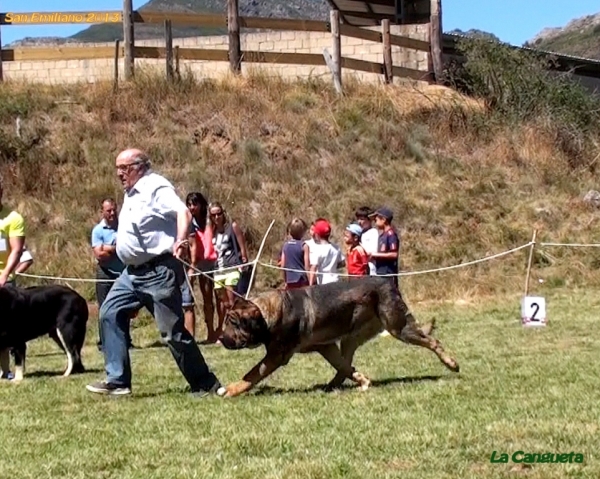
(370, 242)
(326, 257)
(148, 220)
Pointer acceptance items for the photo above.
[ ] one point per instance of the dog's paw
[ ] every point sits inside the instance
(235, 389)
(364, 387)
(221, 391)
(18, 375)
(363, 382)
(452, 365)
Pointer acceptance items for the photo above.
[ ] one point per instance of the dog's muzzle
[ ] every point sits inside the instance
(229, 343)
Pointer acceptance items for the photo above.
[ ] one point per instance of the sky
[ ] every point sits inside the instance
(513, 21)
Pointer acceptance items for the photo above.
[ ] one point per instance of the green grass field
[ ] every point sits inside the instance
(518, 389)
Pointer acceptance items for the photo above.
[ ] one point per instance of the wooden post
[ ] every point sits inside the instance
(1, 73)
(169, 49)
(388, 71)
(116, 78)
(233, 27)
(177, 72)
(333, 69)
(529, 262)
(435, 40)
(334, 18)
(128, 39)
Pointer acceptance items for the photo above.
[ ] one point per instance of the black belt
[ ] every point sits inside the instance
(151, 263)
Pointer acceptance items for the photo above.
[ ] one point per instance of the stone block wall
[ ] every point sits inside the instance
(66, 71)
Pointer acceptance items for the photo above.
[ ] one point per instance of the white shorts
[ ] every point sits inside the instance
(25, 256)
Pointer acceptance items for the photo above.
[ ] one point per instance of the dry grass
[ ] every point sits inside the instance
(461, 186)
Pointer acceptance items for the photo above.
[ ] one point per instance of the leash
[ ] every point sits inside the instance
(206, 275)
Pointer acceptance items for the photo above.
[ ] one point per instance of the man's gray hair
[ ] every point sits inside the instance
(144, 160)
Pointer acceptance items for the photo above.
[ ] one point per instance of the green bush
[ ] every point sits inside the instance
(520, 84)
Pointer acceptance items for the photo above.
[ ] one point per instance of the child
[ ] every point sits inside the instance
(295, 255)
(370, 236)
(311, 232)
(358, 259)
(386, 258)
(325, 257)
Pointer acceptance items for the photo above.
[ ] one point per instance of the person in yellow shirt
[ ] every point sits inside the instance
(12, 240)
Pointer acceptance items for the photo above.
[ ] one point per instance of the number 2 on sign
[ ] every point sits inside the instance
(537, 308)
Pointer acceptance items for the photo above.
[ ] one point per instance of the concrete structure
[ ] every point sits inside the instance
(67, 71)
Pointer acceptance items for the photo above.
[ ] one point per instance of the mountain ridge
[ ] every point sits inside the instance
(108, 32)
(579, 36)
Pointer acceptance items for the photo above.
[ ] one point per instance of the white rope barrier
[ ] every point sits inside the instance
(222, 270)
(462, 265)
(572, 245)
(262, 245)
(412, 273)
(272, 266)
(199, 272)
(96, 280)
(62, 278)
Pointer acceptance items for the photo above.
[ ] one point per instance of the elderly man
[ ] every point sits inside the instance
(151, 237)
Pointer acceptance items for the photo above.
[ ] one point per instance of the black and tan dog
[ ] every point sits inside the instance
(314, 319)
(29, 313)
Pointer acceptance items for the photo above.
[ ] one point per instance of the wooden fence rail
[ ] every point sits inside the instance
(129, 51)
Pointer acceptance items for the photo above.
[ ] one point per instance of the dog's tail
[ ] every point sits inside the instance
(429, 328)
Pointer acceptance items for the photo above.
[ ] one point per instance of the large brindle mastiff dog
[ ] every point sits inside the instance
(315, 319)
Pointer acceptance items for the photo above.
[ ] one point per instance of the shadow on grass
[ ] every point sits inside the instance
(159, 344)
(46, 354)
(57, 373)
(268, 390)
(271, 391)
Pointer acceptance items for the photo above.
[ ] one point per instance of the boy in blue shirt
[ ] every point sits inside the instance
(388, 247)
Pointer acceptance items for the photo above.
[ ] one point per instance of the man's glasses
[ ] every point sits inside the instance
(125, 168)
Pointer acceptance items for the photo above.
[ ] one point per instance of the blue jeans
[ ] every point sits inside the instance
(157, 287)
(187, 300)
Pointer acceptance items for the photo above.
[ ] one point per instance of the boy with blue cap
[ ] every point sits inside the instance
(386, 258)
(357, 258)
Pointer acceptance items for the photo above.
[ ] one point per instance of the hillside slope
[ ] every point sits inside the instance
(461, 187)
(580, 37)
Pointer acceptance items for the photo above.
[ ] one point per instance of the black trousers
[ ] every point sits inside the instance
(102, 289)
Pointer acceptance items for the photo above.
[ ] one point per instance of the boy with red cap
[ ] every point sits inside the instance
(325, 257)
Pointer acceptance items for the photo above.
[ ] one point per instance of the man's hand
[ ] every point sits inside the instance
(3, 280)
(180, 248)
(246, 266)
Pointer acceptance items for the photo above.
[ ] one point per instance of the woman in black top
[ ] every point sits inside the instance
(231, 249)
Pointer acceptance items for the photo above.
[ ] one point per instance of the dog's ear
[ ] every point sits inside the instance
(240, 303)
(245, 308)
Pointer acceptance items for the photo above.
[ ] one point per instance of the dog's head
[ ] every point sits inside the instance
(245, 325)
(11, 312)
(9, 296)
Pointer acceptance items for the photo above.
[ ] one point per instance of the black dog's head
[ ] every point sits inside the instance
(9, 302)
(11, 312)
(244, 326)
